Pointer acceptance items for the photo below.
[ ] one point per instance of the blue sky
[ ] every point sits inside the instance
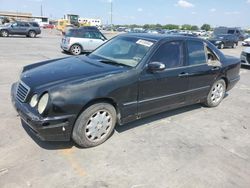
(195, 12)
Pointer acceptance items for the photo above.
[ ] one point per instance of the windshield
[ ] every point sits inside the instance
(127, 51)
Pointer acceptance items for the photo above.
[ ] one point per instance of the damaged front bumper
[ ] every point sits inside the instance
(46, 128)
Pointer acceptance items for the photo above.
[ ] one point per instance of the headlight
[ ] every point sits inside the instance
(43, 102)
(217, 42)
(34, 101)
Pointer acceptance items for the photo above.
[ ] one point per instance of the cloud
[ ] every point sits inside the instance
(139, 9)
(193, 13)
(184, 4)
(248, 1)
(232, 13)
(212, 10)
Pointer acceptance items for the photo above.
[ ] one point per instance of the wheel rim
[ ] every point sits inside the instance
(234, 45)
(32, 34)
(98, 126)
(4, 34)
(222, 46)
(76, 50)
(217, 93)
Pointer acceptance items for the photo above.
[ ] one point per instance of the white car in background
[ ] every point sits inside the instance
(245, 56)
(246, 42)
(83, 39)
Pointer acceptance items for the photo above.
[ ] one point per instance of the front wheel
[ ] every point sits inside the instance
(32, 34)
(216, 93)
(94, 125)
(222, 46)
(76, 49)
(4, 33)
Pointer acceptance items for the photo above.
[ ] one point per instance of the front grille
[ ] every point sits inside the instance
(248, 58)
(22, 92)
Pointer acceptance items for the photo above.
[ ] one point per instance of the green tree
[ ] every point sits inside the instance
(186, 27)
(206, 27)
(194, 28)
(170, 26)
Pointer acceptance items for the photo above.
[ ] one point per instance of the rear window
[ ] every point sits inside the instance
(196, 53)
(74, 33)
(34, 24)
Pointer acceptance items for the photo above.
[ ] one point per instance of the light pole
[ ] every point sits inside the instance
(111, 14)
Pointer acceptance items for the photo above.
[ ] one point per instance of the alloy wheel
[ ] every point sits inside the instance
(217, 93)
(4, 33)
(76, 49)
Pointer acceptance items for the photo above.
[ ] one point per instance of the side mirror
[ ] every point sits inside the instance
(156, 66)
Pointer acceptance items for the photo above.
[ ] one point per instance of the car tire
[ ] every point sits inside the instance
(76, 49)
(216, 94)
(32, 34)
(94, 125)
(222, 46)
(234, 45)
(4, 33)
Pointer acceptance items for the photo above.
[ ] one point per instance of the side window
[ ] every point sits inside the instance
(86, 34)
(170, 53)
(21, 24)
(14, 24)
(230, 31)
(212, 59)
(26, 25)
(196, 53)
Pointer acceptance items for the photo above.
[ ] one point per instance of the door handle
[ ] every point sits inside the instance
(215, 68)
(183, 74)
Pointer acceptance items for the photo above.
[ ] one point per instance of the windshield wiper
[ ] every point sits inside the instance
(112, 62)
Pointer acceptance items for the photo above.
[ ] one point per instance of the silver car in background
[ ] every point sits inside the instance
(245, 56)
(83, 39)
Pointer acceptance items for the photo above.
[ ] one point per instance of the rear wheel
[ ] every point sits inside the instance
(76, 49)
(222, 46)
(32, 34)
(94, 125)
(234, 45)
(4, 33)
(216, 93)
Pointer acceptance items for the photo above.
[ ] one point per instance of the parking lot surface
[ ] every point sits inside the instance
(193, 146)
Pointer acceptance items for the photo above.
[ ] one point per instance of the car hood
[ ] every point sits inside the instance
(247, 40)
(67, 69)
(247, 50)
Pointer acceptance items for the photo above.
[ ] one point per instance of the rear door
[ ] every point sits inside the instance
(203, 69)
(165, 89)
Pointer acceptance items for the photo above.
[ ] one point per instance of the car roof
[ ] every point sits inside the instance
(158, 37)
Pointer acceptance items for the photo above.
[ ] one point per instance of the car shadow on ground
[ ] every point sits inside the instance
(142, 122)
(245, 67)
(156, 117)
(68, 53)
(20, 36)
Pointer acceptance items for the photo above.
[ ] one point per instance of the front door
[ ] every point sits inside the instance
(164, 89)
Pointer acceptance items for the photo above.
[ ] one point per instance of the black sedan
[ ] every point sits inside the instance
(129, 77)
(225, 40)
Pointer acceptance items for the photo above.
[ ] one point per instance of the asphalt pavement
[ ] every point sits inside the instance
(191, 147)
